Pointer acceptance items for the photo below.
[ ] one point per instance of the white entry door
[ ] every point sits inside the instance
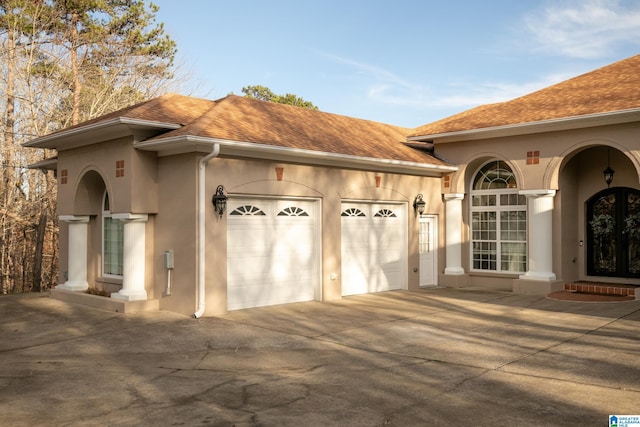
(273, 252)
(428, 250)
(374, 247)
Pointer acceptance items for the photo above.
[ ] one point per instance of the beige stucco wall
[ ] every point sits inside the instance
(331, 186)
(176, 230)
(554, 148)
(166, 188)
(89, 171)
(570, 162)
(131, 193)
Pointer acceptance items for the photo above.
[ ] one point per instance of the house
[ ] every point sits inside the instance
(207, 206)
(319, 205)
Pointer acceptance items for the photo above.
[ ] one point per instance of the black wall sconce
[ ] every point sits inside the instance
(219, 201)
(419, 204)
(608, 172)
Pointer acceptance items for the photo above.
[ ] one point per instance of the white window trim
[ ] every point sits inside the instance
(107, 214)
(498, 208)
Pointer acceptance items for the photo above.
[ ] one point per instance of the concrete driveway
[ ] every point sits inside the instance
(436, 357)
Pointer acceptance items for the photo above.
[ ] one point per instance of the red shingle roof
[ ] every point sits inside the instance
(611, 88)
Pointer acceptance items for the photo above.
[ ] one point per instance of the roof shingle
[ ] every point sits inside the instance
(615, 87)
(169, 108)
(242, 119)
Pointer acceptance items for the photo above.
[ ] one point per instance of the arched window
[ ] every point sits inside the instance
(352, 212)
(498, 221)
(112, 241)
(495, 175)
(247, 210)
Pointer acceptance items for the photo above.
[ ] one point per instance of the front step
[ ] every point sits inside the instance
(611, 289)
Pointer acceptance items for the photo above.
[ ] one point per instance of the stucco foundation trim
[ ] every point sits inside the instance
(537, 287)
(104, 303)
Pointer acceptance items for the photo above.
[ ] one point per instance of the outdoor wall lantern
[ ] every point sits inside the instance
(419, 204)
(608, 172)
(219, 201)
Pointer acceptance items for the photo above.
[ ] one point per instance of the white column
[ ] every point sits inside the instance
(77, 250)
(453, 235)
(133, 257)
(540, 219)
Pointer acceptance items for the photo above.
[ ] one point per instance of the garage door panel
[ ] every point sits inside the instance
(275, 292)
(373, 247)
(276, 261)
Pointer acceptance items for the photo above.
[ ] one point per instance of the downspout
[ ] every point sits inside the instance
(202, 167)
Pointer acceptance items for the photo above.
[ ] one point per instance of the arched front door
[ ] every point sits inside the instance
(613, 233)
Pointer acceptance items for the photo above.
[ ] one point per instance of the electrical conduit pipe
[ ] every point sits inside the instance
(202, 167)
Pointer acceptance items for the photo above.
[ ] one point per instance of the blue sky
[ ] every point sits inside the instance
(403, 62)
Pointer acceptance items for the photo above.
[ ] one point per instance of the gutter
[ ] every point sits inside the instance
(186, 143)
(202, 167)
(550, 125)
(52, 140)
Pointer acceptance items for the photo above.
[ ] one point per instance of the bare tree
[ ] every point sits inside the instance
(62, 62)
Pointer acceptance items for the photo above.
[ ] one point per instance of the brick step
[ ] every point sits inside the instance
(601, 289)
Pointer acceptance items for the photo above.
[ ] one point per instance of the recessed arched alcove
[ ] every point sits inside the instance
(89, 194)
(580, 179)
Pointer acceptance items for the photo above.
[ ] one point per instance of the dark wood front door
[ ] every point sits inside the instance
(613, 233)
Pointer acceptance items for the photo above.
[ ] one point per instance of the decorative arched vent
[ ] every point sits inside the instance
(385, 213)
(293, 211)
(247, 210)
(352, 212)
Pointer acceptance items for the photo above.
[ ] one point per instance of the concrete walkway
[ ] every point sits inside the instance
(436, 357)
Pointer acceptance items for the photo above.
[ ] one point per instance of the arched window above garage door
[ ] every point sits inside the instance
(352, 212)
(385, 213)
(293, 211)
(247, 210)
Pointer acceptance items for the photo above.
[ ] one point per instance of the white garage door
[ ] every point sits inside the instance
(273, 252)
(374, 247)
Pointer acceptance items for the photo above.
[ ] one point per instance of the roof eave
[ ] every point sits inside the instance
(554, 125)
(102, 131)
(45, 164)
(188, 143)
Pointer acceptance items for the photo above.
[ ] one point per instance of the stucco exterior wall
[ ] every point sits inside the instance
(176, 229)
(570, 162)
(130, 176)
(331, 186)
(129, 192)
(165, 188)
(554, 148)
